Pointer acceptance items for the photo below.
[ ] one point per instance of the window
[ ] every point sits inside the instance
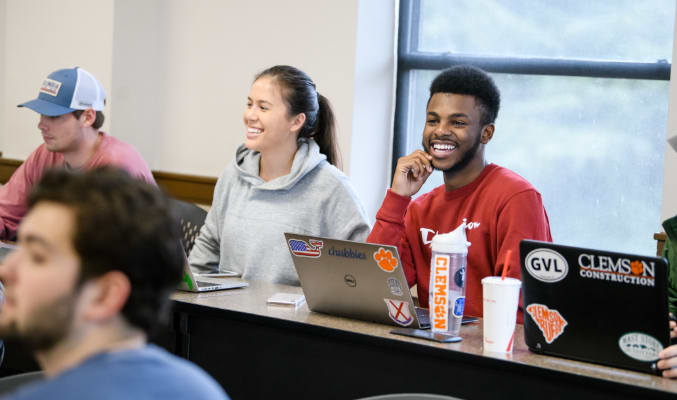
(584, 97)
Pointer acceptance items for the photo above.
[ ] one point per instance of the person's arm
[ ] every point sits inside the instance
(206, 252)
(410, 174)
(390, 229)
(668, 357)
(522, 217)
(670, 253)
(14, 195)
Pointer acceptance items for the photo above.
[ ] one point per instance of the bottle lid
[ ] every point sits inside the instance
(452, 242)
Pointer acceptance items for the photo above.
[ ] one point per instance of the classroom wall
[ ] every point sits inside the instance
(178, 72)
(41, 37)
(183, 70)
(669, 205)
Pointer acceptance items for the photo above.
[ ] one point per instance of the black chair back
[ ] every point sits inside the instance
(191, 219)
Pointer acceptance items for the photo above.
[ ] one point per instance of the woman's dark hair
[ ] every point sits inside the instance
(298, 92)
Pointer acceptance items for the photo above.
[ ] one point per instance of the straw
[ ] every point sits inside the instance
(506, 264)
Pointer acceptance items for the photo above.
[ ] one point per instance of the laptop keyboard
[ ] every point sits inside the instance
(423, 316)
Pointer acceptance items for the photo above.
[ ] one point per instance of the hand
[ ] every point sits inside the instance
(668, 361)
(411, 173)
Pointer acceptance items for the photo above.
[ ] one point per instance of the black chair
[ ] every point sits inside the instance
(191, 219)
(11, 383)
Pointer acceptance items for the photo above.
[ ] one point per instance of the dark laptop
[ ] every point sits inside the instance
(592, 305)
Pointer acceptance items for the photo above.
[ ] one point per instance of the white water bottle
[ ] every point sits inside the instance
(446, 293)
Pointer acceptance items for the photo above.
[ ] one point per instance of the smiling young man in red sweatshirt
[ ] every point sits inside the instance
(500, 207)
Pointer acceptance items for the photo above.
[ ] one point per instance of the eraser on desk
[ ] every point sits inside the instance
(291, 299)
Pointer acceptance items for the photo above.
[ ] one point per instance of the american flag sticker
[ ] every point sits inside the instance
(50, 87)
(312, 249)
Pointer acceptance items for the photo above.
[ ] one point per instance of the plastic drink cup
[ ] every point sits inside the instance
(500, 298)
(447, 281)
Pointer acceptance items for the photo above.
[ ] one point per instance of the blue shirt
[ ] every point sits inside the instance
(146, 373)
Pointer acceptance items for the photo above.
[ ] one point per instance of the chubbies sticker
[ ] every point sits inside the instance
(550, 322)
(385, 259)
(302, 249)
(640, 346)
(395, 286)
(546, 265)
(399, 312)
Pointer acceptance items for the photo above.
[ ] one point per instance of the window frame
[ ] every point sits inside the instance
(410, 59)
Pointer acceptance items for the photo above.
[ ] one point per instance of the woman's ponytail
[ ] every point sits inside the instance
(325, 132)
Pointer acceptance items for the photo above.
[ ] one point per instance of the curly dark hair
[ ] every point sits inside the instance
(468, 80)
(121, 224)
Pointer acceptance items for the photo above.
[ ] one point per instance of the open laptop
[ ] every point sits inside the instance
(592, 305)
(357, 280)
(190, 284)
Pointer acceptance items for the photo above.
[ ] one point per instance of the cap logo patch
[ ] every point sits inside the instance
(50, 87)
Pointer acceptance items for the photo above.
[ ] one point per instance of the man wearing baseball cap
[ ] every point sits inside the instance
(70, 104)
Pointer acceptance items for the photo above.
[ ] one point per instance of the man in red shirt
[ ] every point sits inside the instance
(500, 207)
(70, 104)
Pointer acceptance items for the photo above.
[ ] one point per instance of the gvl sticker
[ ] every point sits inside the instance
(640, 346)
(546, 265)
(399, 312)
(550, 322)
(301, 248)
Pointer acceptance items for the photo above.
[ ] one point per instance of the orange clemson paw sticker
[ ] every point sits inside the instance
(385, 260)
(637, 268)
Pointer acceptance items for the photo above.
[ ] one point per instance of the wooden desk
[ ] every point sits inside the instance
(257, 351)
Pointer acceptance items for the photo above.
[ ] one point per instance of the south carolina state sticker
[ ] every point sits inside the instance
(549, 321)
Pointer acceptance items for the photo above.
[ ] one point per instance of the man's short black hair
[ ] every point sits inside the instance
(121, 224)
(98, 121)
(468, 80)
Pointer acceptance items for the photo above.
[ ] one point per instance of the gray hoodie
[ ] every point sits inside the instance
(244, 228)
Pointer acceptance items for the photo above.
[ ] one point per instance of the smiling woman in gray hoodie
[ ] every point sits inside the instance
(282, 179)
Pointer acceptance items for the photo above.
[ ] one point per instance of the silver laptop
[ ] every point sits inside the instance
(357, 280)
(190, 284)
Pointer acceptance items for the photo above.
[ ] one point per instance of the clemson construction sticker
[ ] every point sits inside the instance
(640, 346)
(550, 322)
(385, 259)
